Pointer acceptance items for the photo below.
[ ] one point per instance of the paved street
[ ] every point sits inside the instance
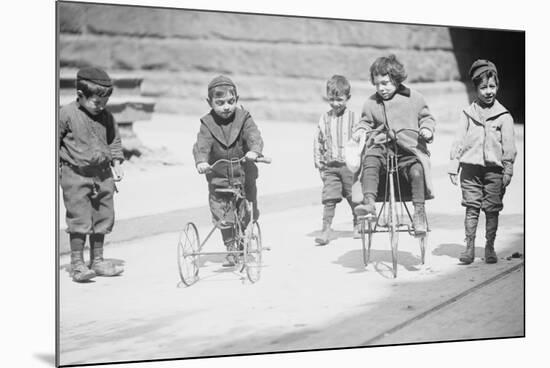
(309, 297)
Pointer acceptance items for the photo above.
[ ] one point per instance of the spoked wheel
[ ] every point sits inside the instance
(366, 228)
(188, 259)
(393, 222)
(253, 253)
(239, 245)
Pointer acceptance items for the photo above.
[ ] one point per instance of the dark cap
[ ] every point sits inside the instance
(480, 66)
(95, 75)
(220, 80)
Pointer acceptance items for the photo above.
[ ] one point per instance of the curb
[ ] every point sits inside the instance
(139, 227)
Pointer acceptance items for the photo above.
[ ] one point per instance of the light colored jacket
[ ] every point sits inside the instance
(407, 109)
(331, 136)
(485, 137)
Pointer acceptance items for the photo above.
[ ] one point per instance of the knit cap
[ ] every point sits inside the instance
(220, 80)
(480, 66)
(95, 75)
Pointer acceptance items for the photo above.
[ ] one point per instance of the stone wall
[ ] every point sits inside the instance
(280, 64)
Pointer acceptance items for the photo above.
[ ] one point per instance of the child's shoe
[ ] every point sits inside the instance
(468, 255)
(79, 271)
(490, 254)
(102, 267)
(490, 235)
(419, 219)
(230, 259)
(324, 238)
(368, 208)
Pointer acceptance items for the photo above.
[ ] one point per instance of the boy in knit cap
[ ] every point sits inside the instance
(394, 106)
(484, 151)
(332, 133)
(227, 132)
(90, 153)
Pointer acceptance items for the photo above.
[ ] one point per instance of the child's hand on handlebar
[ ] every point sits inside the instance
(203, 167)
(358, 135)
(454, 178)
(251, 156)
(426, 134)
(506, 179)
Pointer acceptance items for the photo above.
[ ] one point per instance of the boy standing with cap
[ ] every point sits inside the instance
(227, 132)
(484, 151)
(333, 131)
(89, 146)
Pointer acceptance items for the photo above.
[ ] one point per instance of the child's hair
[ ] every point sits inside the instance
(485, 76)
(220, 86)
(391, 66)
(338, 85)
(89, 88)
(482, 70)
(221, 91)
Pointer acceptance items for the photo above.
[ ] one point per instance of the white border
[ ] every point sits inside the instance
(28, 97)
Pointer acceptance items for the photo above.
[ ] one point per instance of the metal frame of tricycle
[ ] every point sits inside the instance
(393, 225)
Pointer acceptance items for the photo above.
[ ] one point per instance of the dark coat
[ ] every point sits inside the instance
(86, 140)
(213, 145)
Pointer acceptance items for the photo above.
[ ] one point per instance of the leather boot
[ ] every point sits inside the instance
(470, 227)
(468, 255)
(102, 267)
(368, 208)
(490, 235)
(419, 219)
(230, 259)
(324, 238)
(79, 271)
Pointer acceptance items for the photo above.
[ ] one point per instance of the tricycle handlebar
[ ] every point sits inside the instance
(260, 159)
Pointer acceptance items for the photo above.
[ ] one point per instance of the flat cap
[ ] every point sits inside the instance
(220, 80)
(480, 66)
(95, 75)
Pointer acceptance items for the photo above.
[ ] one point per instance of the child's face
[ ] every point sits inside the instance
(93, 104)
(337, 102)
(225, 105)
(487, 91)
(384, 86)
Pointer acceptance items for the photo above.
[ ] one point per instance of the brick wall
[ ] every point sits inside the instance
(280, 64)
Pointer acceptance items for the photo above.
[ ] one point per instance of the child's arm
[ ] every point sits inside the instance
(318, 145)
(115, 146)
(253, 138)
(62, 125)
(366, 123)
(456, 149)
(426, 121)
(201, 148)
(509, 151)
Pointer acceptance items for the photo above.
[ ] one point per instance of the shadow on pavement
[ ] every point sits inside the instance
(354, 260)
(407, 300)
(334, 234)
(452, 250)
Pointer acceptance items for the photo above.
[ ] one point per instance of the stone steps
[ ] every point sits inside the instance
(126, 104)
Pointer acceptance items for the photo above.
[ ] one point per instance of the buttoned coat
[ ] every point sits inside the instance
(407, 109)
(212, 145)
(485, 137)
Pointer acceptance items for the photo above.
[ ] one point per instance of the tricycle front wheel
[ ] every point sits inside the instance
(188, 258)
